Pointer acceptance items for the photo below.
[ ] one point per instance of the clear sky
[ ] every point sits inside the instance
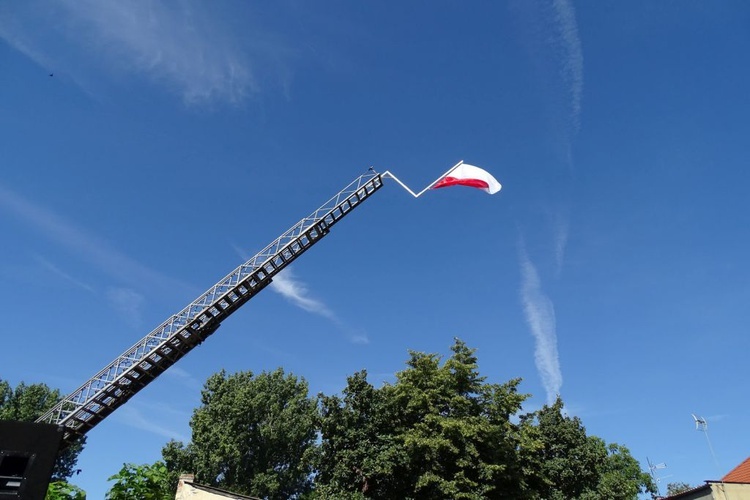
(147, 148)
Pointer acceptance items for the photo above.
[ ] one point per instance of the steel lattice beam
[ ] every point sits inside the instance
(91, 403)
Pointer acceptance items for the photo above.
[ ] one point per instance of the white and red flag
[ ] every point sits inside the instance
(461, 174)
(469, 175)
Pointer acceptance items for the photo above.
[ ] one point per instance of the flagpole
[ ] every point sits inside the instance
(387, 173)
(454, 167)
(417, 195)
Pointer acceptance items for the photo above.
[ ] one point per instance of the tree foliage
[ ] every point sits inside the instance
(251, 435)
(677, 488)
(570, 464)
(26, 403)
(142, 482)
(62, 490)
(441, 430)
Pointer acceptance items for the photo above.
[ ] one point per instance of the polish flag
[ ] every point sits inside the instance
(469, 175)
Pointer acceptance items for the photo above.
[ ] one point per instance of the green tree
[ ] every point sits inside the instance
(458, 435)
(251, 435)
(26, 403)
(440, 431)
(621, 475)
(142, 482)
(677, 488)
(359, 456)
(62, 490)
(570, 464)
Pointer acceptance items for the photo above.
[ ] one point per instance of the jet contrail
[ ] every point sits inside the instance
(540, 316)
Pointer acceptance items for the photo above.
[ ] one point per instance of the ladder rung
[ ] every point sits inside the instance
(118, 382)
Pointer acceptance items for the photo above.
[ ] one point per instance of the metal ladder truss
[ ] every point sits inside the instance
(156, 352)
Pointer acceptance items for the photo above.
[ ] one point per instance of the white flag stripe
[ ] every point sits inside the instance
(469, 175)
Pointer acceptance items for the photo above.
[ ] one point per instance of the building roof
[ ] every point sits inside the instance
(689, 492)
(189, 481)
(220, 492)
(740, 474)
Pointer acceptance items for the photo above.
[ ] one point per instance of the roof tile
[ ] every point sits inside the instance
(740, 474)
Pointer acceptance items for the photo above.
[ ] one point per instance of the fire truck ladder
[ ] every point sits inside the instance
(91, 403)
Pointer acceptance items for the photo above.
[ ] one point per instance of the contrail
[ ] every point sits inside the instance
(561, 229)
(540, 315)
(565, 17)
(59, 272)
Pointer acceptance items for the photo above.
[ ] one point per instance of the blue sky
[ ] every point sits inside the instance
(174, 140)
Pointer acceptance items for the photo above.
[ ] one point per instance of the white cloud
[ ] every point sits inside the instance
(184, 377)
(182, 45)
(540, 316)
(86, 246)
(286, 284)
(359, 338)
(128, 303)
(561, 227)
(565, 18)
(62, 274)
(132, 416)
(297, 293)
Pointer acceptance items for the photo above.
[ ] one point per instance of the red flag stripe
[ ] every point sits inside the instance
(454, 181)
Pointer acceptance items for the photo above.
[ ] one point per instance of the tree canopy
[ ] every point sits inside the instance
(26, 403)
(568, 463)
(62, 490)
(141, 482)
(251, 435)
(441, 430)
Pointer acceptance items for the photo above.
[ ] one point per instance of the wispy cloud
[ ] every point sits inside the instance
(561, 227)
(128, 303)
(62, 274)
(297, 292)
(359, 338)
(182, 45)
(86, 246)
(540, 316)
(184, 377)
(572, 69)
(147, 417)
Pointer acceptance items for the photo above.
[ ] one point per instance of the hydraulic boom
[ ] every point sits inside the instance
(130, 372)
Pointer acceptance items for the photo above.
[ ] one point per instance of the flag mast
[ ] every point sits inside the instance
(387, 173)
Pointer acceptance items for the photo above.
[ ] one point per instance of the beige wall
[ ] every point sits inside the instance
(186, 491)
(721, 491)
(730, 491)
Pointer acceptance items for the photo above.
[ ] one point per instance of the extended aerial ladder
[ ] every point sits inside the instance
(130, 372)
